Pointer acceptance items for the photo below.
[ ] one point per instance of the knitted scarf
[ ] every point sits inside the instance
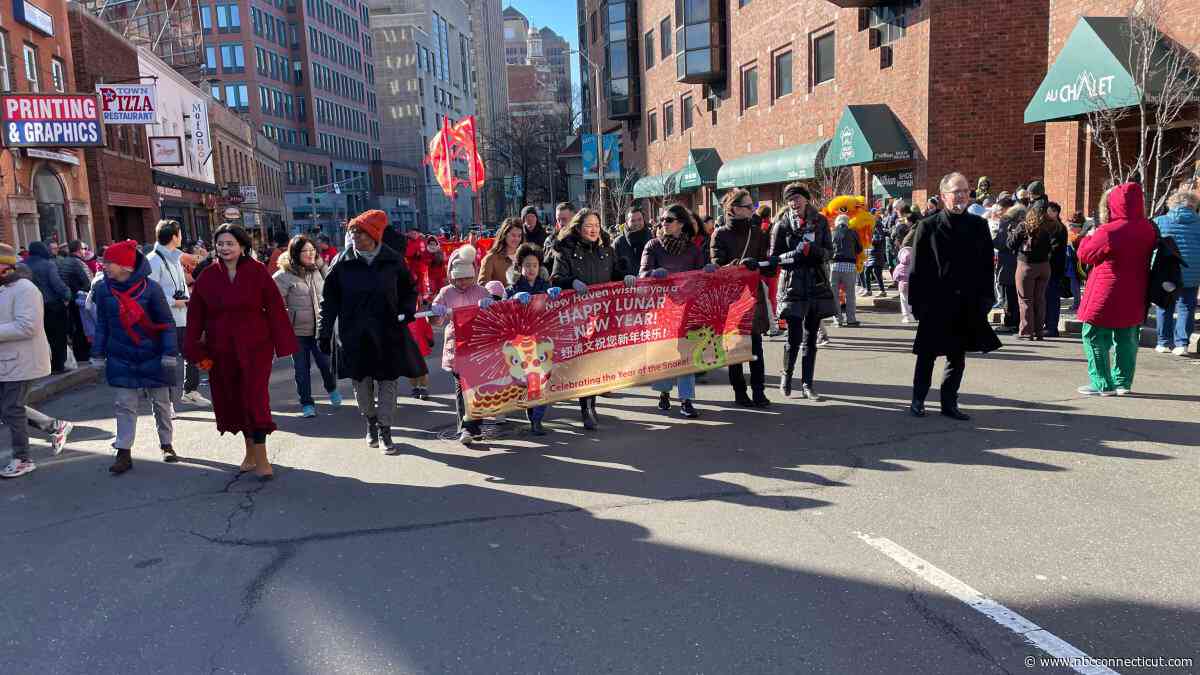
(131, 313)
(674, 245)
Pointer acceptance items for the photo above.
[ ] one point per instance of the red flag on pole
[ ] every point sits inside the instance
(465, 138)
(440, 158)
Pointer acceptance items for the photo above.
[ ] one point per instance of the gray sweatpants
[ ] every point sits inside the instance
(365, 391)
(12, 412)
(127, 415)
(847, 280)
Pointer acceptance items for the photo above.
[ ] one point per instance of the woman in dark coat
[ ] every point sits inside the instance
(1006, 264)
(585, 257)
(801, 239)
(370, 296)
(740, 242)
(672, 251)
(236, 327)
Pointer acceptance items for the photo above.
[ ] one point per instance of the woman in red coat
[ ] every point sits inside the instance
(236, 326)
(1114, 300)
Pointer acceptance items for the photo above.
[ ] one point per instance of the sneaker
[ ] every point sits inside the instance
(194, 398)
(881, 294)
(168, 454)
(806, 391)
(852, 324)
(465, 438)
(688, 410)
(308, 411)
(1179, 351)
(17, 467)
(58, 436)
(1089, 390)
(335, 398)
(664, 401)
(823, 341)
(1123, 391)
(1162, 349)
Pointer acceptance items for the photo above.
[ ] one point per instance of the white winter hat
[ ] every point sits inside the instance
(462, 263)
(842, 220)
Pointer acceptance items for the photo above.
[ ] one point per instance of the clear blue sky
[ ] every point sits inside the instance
(559, 15)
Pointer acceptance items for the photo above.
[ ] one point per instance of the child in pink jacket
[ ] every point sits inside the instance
(462, 291)
(900, 274)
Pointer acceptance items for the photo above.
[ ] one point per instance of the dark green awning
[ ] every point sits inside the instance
(702, 167)
(799, 162)
(868, 133)
(1091, 72)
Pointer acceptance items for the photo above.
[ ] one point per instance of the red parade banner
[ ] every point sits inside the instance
(512, 356)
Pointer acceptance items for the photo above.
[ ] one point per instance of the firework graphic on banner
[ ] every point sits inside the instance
(504, 322)
(732, 306)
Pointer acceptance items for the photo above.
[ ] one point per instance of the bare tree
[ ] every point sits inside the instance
(1165, 119)
(835, 181)
(527, 147)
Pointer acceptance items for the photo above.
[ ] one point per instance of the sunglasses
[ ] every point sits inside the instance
(668, 219)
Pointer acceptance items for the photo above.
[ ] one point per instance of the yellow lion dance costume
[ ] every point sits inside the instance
(862, 221)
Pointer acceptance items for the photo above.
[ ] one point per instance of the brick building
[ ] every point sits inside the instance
(1085, 42)
(123, 198)
(45, 189)
(759, 93)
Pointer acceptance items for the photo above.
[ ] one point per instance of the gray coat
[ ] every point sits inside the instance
(301, 291)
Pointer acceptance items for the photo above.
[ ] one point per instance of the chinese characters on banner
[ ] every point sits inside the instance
(512, 356)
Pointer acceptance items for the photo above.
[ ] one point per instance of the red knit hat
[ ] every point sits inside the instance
(372, 223)
(122, 253)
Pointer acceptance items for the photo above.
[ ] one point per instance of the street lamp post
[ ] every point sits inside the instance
(599, 139)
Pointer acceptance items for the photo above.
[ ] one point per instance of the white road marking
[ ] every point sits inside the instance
(1036, 635)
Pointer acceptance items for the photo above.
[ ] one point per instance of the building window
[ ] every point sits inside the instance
(649, 49)
(668, 119)
(652, 122)
(823, 58)
(31, 67)
(206, 18)
(699, 41)
(782, 85)
(58, 74)
(749, 87)
(889, 21)
(228, 19)
(233, 58)
(664, 38)
(5, 79)
(685, 112)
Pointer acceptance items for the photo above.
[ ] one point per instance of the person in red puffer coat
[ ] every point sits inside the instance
(1114, 300)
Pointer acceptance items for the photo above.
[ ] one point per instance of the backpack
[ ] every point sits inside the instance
(1166, 272)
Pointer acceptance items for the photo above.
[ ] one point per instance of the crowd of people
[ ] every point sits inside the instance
(155, 320)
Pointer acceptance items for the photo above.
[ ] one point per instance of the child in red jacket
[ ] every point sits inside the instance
(422, 334)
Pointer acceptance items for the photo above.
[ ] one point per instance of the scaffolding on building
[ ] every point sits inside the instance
(169, 28)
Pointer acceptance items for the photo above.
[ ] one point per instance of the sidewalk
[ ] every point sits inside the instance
(52, 385)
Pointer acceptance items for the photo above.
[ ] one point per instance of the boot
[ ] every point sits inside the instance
(742, 399)
(124, 463)
(588, 414)
(664, 401)
(385, 439)
(372, 432)
(248, 463)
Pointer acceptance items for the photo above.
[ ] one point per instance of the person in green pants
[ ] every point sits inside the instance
(1114, 301)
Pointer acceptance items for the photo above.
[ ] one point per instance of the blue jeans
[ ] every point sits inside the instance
(686, 384)
(1053, 305)
(301, 360)
(1076, 296)
(536, 413)
(1174, 331)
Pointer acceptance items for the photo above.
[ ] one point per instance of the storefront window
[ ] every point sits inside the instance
(51, 203)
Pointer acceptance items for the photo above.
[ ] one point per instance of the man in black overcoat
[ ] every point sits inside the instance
(951, 292)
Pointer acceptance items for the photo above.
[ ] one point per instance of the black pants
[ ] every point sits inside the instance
(802, 339)
(872, 272)
(1012, 307)
(79, 341)
(758, 371)
(951, 377)
(57, 322)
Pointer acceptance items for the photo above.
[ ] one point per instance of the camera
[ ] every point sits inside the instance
(180, 295)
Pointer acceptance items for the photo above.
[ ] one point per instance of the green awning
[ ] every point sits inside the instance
(895, 184)
(799, 162)
(651, 186)
(868, 133)
(702, 167)
(1091, 72)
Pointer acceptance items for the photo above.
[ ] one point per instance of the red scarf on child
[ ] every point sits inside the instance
(131, 313)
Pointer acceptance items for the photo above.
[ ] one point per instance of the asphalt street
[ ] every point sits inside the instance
(747, 541)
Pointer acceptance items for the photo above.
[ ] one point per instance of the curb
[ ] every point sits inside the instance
(52, 385)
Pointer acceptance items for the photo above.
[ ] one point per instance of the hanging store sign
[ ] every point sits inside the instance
(166, 151)
(249, 194)
(51, 120)
(33, 16)
(64, 157)
(232, 213)
(128, 103)
(201, 143)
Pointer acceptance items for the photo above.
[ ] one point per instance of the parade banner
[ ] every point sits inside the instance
(512, 356)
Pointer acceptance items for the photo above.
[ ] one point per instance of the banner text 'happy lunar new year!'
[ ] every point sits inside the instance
(512, 356)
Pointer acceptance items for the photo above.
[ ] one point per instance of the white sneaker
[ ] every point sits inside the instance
(195, 398)
(17, 467)
(465, 438)
(1088, 390)
(58, 436)
(1122, 391)
(1179, 351)
(1162, 349)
